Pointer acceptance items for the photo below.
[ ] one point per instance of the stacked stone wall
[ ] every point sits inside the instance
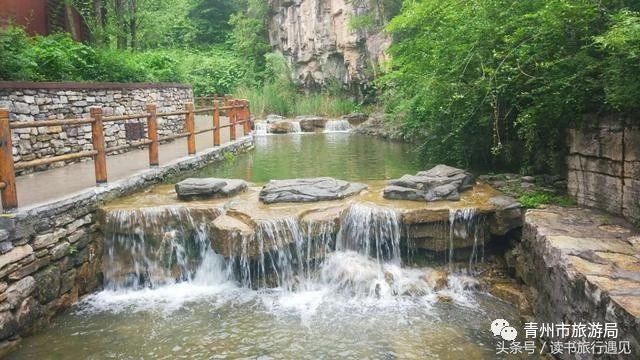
(604, 164)
(50, 101)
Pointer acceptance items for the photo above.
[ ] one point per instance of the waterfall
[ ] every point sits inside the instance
(295, 127)
(466, 223)
(148, 247)
(261, 128)
(371, 231)
(337, 126)
(360, 256)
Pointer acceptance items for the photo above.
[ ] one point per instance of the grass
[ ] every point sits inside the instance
(272, 99)
(536, 199)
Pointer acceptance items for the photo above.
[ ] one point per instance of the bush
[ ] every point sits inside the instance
(496, 83)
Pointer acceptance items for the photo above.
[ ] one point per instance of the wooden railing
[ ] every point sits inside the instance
(237, 111)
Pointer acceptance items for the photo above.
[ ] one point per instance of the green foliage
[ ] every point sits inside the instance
(536, 199)
(248, 36)
(621, 44)
(496, 83)
(16, 63)
(278, 94)
(59, 58)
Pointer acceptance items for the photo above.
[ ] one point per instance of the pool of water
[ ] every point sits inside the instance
(225, 322)
(213, 317)
(340, 155)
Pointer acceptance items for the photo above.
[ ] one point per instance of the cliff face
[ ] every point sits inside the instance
(321, 47)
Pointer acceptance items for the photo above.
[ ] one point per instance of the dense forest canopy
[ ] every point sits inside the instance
(495, 83)
(480, 83)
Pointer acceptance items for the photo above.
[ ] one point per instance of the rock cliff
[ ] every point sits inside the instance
(322, 47)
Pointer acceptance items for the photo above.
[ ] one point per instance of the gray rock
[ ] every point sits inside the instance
(402, 193)
(502, 202)
(48, 283)
(233, 187)
(5, 247)
(199, 187)
(308, 190)
(4, 235)
(452, 174)
(529, 179)
(443, 192)
(273, 118)
(8, 325)
(19, 290)
(441, 182)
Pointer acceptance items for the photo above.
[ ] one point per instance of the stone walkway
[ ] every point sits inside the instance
(583, 265)
(52, 184)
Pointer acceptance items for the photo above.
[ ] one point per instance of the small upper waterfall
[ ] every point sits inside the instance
(295, 127)
(261, 128)
(337, 126)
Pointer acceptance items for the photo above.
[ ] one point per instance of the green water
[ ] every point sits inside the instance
(219, 320)
(340, 155)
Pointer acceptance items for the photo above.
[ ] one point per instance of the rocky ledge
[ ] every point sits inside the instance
(308, 190)
(209, 187)
(441, 182)
(583, 266)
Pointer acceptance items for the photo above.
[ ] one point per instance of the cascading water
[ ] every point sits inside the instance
(466, 223)
(155, 246)
(261, 128)
(295, 127)
(337, 126)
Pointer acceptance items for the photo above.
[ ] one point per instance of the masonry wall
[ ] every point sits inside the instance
(49, 101)
(604, 164)
(51, 254)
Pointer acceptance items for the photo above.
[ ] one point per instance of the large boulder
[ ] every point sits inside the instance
(209, 187)
(441, 182)
(308, 190)
(310, 123)
(284, 127)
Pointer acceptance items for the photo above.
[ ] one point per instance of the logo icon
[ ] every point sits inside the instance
(501, 327)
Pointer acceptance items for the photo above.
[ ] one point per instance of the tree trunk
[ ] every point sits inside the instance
(98, 14)
(71, 22)
(121, 38)
(132, 24)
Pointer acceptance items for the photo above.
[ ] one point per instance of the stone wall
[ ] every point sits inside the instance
(51, 254)
(604, 164)
(49, 101)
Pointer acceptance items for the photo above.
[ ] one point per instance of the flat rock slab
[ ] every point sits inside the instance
(308, 190)
(441, 182)
(209, 187)
(584, 266)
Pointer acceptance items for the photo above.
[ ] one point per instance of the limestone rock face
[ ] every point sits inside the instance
(209, 187)
(308, 190)
(441, 182)
(319, 44)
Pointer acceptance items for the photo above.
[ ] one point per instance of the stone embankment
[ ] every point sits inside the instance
(50, 254)
(582, 266)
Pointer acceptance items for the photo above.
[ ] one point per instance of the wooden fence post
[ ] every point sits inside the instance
(152, 131)
(97, 138)
(246, 117)
(232, 119)
(7, 170)
(191, 128)
(216, 122)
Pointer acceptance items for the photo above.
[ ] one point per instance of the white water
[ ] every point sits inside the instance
(295, 126)
(261, 128)
(337, 126)
(297, 270)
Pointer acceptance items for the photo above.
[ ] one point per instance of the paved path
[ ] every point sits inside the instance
(55, 183)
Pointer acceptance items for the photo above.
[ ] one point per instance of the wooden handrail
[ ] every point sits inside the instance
(124, 117)
(237, 111)
(54, 159)
(32, 124)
